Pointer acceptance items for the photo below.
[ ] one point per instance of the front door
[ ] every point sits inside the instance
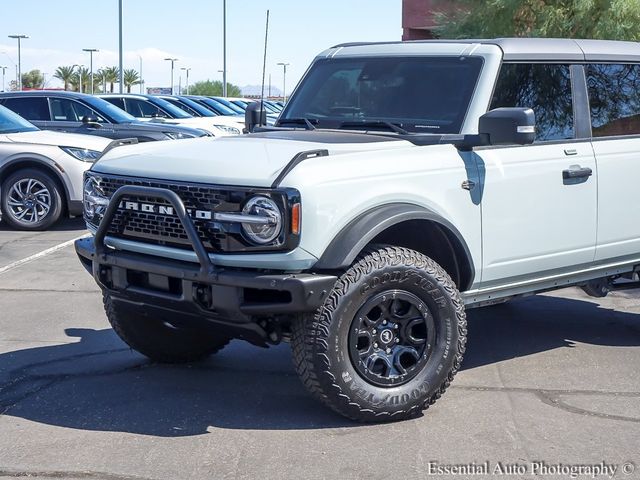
(539, 202)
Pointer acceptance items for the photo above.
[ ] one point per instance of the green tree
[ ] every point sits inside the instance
(81, 74)
(130, 78)
(111, 76)
(33, 79)
(65, 74)
(213, 88)
(603, 19)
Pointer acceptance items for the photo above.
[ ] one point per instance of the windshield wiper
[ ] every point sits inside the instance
(299, 121)
(394, 127)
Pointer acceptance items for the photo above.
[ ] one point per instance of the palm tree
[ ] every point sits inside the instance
(99, 81)
(65, 74)
(112, 75)
(82, 73)
(130, 78)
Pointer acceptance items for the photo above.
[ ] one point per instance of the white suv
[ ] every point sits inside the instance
(402, 184)
(41, 172)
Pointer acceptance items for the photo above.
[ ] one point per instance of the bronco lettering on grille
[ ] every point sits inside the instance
(163, 210)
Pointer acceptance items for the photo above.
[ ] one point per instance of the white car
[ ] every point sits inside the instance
(403, 184)
(155, 109)
(41, 172)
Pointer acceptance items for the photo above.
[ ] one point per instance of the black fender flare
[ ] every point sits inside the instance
(354, 237)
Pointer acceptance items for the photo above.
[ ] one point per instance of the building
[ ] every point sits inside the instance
(419, 17)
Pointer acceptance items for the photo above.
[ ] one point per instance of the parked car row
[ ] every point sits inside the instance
(49, 138)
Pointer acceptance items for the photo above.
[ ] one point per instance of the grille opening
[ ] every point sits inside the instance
(256, 295)
(151, 281)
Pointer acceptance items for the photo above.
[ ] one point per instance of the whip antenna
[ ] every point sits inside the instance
(264, 66)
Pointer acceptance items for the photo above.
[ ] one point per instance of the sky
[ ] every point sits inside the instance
(190, 30)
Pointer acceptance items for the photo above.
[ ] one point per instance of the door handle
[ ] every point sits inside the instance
(576, 171)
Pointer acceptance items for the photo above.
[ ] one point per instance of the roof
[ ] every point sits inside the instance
(47, 93)
(551, 49)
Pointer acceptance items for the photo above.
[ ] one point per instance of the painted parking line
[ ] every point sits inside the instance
(41, 254)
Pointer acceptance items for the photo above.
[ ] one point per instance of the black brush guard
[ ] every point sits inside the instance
(203, 294)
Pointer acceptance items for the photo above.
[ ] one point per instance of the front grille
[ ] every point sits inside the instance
(167, 230)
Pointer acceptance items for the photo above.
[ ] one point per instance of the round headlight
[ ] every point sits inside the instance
(263, 220)
(93, 198)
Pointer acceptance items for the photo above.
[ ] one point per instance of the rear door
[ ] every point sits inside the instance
(539, 202)
(614, 98)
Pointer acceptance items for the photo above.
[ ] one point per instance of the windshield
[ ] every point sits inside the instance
(13, 123)
(107, 109)
(203, 111)
(171, 109)
(418, 94)
(218, 107)
(228, 104)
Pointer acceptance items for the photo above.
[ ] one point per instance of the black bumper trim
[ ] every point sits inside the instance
(225, 296)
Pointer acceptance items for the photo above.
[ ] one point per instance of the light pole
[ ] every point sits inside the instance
(224, 48)
(19, 38)
(80, 67)
(4, 69)
(141, 81)
(172, 60)
(284, 80)
(120, 73)
(187, 70)
(91, 50)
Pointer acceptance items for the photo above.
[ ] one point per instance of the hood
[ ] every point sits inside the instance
(60, 139)
(166, 127)
(204, 123)
(246, 160)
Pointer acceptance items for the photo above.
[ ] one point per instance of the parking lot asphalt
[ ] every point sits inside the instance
(553, 378)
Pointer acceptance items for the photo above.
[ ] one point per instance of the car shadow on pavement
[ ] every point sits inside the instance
(96, 383)
(64, 225)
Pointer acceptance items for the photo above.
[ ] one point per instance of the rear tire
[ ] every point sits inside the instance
(388, 339)
(31, 200)
(157, 339)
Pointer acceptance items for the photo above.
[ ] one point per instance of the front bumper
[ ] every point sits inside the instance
(230, 300)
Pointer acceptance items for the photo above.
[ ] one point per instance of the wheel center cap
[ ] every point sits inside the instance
(386, 336)
(28, 204)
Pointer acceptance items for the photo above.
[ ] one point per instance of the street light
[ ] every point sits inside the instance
(141, 80)
(284, 80)
(19, 38)
(120, 74)
(91, 50)
(4, 69)
(172, 60)
(187, 70)
(224, 48)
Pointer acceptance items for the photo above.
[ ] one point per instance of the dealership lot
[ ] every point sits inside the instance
(550, 378)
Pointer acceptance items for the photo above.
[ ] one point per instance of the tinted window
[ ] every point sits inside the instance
(117, 102)
(63, 109)
(423, 94)
(544, 88)
(143, 109)
(614, 97)
(29, 108)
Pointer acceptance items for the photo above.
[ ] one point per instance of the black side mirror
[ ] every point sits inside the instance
(254, 116)
(90, 121)
(508, 126)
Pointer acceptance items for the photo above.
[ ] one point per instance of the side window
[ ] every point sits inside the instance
(546, 88)
(82, 110)
(65, 110)
(142, 109)
(118, 102)
(29, 108)
(614, 99)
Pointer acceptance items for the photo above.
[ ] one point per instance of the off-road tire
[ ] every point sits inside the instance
(55, 198)
(161, 343)
(320, 350)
